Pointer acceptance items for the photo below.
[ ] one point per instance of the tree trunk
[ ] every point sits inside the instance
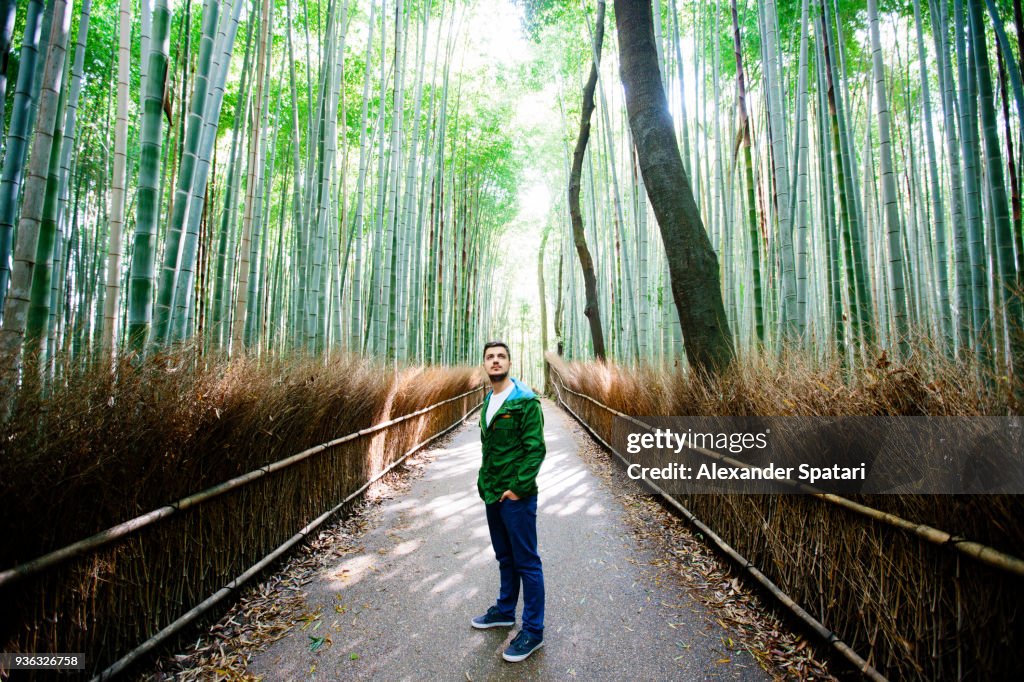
(592, 310)
(559, 299)
(693, 266)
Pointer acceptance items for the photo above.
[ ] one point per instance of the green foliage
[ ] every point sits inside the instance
(541, 14)
(490, 148)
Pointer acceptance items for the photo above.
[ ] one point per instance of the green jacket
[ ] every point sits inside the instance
(513, 445)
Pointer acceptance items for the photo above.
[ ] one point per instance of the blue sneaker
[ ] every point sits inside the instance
(492, 619)
(522, 646)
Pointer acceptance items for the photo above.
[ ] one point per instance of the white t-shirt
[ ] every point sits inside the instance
(497, 400)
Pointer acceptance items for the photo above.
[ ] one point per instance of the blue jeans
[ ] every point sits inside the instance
(513, 526)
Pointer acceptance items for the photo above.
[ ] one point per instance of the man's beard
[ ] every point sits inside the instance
(495, 378)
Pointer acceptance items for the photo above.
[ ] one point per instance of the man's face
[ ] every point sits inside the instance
(496, 363)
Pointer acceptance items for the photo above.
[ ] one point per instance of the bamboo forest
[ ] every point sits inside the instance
(236, 230)
(268, 177)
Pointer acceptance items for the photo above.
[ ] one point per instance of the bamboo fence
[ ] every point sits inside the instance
(143, 580)
(894, 597)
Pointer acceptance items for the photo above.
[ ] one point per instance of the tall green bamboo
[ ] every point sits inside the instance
(855, 258)
(140, 291)
(830, 236)
(68, 144)
(1007, 269)
(44, 156)
(42, 271)
(969, 152)
(222, 286)
(117, 209)
(256, 263)
(938, 215)
(780, 165)
(965, 323)
(255, 132)
(16, 149)
(8, 11)
(748, 167)
(897, 296)
(186, 176)
(222, 51)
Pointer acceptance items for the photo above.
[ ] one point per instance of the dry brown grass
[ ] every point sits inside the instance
(913, 609)
(796, 386)
(105, 447)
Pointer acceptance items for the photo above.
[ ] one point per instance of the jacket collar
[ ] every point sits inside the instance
(519, 390)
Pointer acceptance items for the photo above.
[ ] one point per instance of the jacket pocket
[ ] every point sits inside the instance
(503, 432)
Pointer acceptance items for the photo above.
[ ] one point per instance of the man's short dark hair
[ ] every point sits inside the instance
(492, 344)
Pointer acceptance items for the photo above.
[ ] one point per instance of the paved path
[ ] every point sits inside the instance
(399, 609)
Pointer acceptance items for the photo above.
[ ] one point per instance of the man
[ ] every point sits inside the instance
(512, 433)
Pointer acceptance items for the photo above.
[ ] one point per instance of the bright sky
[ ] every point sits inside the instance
(494, 28)
(496, 41)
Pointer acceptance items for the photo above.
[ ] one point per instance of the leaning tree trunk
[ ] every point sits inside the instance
(592, 310)
(693, 266)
